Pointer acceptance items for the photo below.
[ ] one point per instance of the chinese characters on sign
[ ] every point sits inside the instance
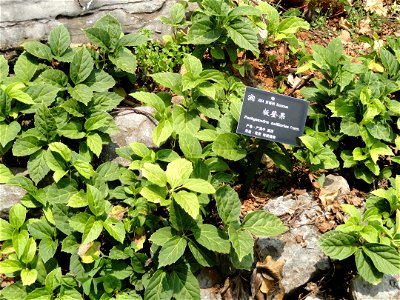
(272, 116)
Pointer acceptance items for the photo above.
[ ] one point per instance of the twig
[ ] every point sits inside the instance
(129, 110)
(299, 85)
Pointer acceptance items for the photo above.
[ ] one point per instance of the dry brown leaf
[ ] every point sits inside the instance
(345, 36)
(376, 6)
(364, 26)
(327, 197)
(267, 280)
(343, 23)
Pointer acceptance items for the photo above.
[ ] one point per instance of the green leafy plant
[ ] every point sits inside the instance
(103, 231)
(372, 237)
(276, 28)
(353, 110)
(223, 28)
(113, 53)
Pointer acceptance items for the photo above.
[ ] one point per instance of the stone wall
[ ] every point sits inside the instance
(22, 20)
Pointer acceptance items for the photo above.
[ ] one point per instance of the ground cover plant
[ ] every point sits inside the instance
(96, 230)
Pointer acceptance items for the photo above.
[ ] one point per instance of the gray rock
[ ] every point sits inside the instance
(133, 127)
(209, 294)
(21, 20)
(9, 195)
(335, 183)
(388, 289)
(298, 247)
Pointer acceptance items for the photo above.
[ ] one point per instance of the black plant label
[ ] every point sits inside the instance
(272, 117)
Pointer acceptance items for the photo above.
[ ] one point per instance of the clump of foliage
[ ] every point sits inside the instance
(373, 237)
(101, 231)
(87, 229)
(354, 116)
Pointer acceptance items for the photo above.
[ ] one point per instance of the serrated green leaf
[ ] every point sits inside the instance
(95, 143)
(4, 68)
(338, 245)
(154, 193)
(385, 258)
(28, 276)
(212, 238)
(10, 266)
(59, 40)
(5, 174)
(162, 132)
(53, 279)
(171, 251)
(47, 249)
(39, 294)
(116, 229)
(98, 121)
(199, 186)
(170, 80)
(366, 268)
(29, 251)
(84, 168)
(92, 230)
(193, 65)
(178, 171)
(112, 26)
(228, 204)
(101, 81)
(242, 242)
(185, 121)
(227, 146)
(183, 283)
(81, 66)
(25, 67)
(379, 148)
(154, 174)
(155, 288)
(95, 200)
(389, 61)
(43, 93)
(190, 145)
(189, 202)
(162, 235)
(8, 132)
(204, 257)
(140, 149)
(54, 77)
(262, 223)
(38, 49)
(132, 39)
(17, 215)
(6, 230)
(41, 229)
(77, 200)
(61, 149)
(99, 37)
(243, 34)
(81, 92)
(150, 99)
(14, 91)
(203, 31)
(124, 60)
(352, 211)
(19, 242)
(272, 16)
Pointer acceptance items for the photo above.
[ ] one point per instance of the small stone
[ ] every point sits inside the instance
(387, 289)
(9, 195)
(335, 183)
(134, 126)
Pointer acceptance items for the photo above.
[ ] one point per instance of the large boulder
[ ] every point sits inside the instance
(298, 247)
(21, 20)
